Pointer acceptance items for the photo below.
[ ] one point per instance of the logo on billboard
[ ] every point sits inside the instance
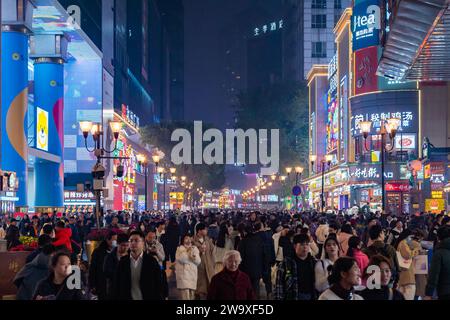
(42, 129)
(406, 141)
(366, 24)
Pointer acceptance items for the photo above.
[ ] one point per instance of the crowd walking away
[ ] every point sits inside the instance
(231, 255)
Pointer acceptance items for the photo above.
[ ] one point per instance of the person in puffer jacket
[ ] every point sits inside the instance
(187, 261)
(63, 236)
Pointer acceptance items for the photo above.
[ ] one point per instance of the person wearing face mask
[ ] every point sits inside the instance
(112, 261)
(384, 291)
(97, 279)
(55, 287)
(344, 276)
(187, 261)
(231, 284)
(395, 233)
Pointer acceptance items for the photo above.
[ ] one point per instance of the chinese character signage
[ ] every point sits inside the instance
(366, 24)
(408, 122)
(434, 205)
(372, 172)
(268, 27)
(398, 187)
(130, 117)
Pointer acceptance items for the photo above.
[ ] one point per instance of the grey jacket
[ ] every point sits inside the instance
(32, 273)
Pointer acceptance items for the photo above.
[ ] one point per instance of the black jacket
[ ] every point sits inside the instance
(150, 280)
(381, 294)
(47, 288)
(253, 256)
(97, 279)
(12, 237)
(269, 247)
(109, 268)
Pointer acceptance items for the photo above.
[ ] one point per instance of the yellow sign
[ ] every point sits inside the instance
(42, 129)
(427, 171)
(437, 194)
(375, 156)
(434, 205)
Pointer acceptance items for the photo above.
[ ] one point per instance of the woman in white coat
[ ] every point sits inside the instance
(187, 261)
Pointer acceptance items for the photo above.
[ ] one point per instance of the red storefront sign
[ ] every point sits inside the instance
(118, 195)
(366, 79)
(398, 187)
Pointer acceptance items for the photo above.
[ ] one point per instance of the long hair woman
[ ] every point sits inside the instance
(323, 267)
(224, 244)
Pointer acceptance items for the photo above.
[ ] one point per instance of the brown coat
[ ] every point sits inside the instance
(206, 267)
(408, 276)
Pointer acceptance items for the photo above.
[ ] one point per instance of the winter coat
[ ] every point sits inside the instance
(206, 267)
(407, 276)
(31, 274)
(151, 284)
(47, 288)
(330, 295)
(277, 249)
(253, 256)
(12, 237)
(321, 273)
(97, 278)
(219, 252)
(109, 268)
(343, 238)
(228, 287)
(187, 261)
(379, 247)
(439, 273)
(63, 238)
(286, 287)
(381, 294)
(362, 260)
(269, 250)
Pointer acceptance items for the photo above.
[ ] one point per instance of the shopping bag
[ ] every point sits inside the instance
(402, 262)
(421, 264)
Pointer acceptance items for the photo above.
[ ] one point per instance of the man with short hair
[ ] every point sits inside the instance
(295, 275)
(138, 275)
(12, 234)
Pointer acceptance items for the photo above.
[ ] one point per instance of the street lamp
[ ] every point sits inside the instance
(288, 170)
(273, 177)
(99, 150)
(298, 174)
(388, 127)
(142, 160)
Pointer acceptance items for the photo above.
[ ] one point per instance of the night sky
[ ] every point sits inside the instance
(204, 21)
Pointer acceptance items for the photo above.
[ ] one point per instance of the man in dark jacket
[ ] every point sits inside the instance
(43, 241)
(12, 235)
(253, 256)
(269, 253)
(112, 261)
(295, 275)
(97, 279)
(138, 275)
(439, 273)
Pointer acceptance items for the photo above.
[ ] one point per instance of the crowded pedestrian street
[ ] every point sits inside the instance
(232, 157)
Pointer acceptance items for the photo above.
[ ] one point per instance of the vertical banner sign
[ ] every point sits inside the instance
(366, 24)
(366, 79)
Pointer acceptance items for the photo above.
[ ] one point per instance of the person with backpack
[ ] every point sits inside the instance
(378, 246)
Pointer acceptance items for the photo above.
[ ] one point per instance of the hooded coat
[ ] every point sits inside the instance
(27, 279)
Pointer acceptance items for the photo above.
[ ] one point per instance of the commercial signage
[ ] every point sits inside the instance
(408, 120)
(434, 205)
(332, 126)
(77, 196)
(437, 176)
(366, 24)
(372, 172)
(268, 28)
(405, 142)
(130, 117)
(366, 64)
(399, 187)
(437, 194)
(41, 129)
(427, 171)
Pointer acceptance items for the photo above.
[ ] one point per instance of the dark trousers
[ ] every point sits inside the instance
(267, 278)
(170, 254)
(255, 285)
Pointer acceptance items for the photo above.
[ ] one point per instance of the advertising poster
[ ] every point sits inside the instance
(42, 129)
(366, 64)
(332, 126)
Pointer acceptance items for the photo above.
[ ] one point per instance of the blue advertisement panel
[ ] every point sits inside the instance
(366, 24)
(14, 148)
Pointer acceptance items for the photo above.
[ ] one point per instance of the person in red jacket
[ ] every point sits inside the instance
(354, 251)
(62, 236)
(231, 283)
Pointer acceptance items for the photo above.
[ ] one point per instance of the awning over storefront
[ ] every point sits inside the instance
(418, 42)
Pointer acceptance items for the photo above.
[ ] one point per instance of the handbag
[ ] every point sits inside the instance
(402, 262)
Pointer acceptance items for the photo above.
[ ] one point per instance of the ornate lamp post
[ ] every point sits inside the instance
(388, 128)
(326, 161)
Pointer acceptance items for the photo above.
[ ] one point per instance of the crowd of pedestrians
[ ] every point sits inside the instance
(236, 255)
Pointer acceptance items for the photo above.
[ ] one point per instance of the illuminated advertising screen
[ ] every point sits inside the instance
(332, 126)
(366, 64)
(42, 129)
(366, 24)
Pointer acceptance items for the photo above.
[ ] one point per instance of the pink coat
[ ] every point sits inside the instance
(361, 259)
